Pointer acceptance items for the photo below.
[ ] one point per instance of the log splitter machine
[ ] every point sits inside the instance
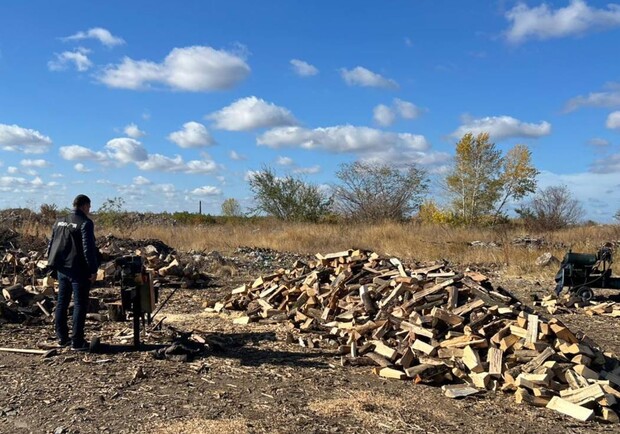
(138, 295)
(582, 272)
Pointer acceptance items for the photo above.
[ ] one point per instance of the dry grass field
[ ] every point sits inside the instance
(404, 240)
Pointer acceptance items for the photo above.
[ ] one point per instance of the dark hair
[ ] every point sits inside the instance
(80, 200)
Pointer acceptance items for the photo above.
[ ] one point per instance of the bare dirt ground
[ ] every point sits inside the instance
(252, 381)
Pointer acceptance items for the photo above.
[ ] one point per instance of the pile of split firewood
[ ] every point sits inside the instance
(433, 325)
(567, 302)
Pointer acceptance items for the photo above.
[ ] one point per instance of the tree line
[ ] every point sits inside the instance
(479, 186)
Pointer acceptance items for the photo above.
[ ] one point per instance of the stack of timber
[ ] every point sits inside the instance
(433, 325)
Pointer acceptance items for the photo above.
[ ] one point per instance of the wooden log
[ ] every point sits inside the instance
(44, 353)
(568, 408)
(532, 329)
(458, 390)
(523, 396)
(14, 292)
(494, 357)
(472, 360)
(390, 373)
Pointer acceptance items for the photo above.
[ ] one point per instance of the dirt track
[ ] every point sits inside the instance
(253, 381)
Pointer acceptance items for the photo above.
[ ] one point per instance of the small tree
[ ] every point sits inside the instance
(379, 192)
(288, 198)
(617, 215)
(475, 183)
(231, 208)
(518, 177)
(553, 208)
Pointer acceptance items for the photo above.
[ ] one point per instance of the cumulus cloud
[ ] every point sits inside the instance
(125, 150)
(206, 190)
(76, 152)
(193, 135)
(80, 167)
(385, 116)
(502, 127)
(609, 164)
(12, 170)
(303, 69)
(360, 76)
(598, 142)
(234, 155)
(141, 180)
(406, 109)
(161, 163)
(341, 138)
(613, 120)
(78, 58)
(543, 22)
(607, 98)
(35, 163)
(307, 170)
(100, 34)
(133, 131)
(192, 69)
(284, 161)
(201, 167)
(251, 113)
(18, 139)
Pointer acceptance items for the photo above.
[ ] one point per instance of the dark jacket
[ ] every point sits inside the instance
(72, 246)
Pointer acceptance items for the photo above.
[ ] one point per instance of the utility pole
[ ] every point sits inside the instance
(200, 207)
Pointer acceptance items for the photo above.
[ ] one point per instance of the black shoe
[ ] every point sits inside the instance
(63, 343)
(80, 347)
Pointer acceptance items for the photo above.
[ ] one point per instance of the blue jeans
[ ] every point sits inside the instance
(79, 286)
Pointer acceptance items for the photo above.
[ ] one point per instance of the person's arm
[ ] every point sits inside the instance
(89, 247)
(49, 245)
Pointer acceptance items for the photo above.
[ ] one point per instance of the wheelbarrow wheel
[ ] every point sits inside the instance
(585, 293)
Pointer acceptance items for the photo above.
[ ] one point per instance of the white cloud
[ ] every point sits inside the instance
(598, 142)
(386, 116)
(133, 131)
(608, 98)
(76, 152)
(308, 170)
(201, 167)
(284, 161)
(501, 127)
(193, 69)
(341, 138)
(168, 190)
(383, 115)
(141, 180)
(80, 167)
(102, 35)
(250, 174)
(206, 190)
(18, 139)
(609, 164)
(234, 155)
(613, 120)
(193, 135)
(12, 170)
(406, 109)
(35, 163)
(541, 22)
(360, 76)
(125, 150)
(303, 69)
(251, 113)
(78, 57)
(161, 163)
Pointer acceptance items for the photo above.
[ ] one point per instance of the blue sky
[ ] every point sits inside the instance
(167, 104)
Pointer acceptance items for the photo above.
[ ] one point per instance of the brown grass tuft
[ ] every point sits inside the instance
(202, 426)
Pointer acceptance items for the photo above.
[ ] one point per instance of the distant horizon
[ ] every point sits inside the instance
(185, 102)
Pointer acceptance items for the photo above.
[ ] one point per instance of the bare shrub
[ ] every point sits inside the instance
(552, 208)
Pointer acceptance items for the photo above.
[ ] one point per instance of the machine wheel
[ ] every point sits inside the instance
(586, 294)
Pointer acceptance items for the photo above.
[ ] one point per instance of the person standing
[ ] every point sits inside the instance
(72, 253)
